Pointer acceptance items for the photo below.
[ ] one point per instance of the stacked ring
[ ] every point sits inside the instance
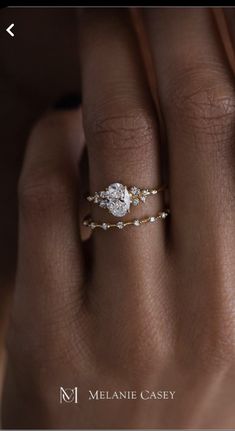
(117, 199)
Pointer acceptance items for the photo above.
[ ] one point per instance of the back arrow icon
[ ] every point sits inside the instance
(8, 29)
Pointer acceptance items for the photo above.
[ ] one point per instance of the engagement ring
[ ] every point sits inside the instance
(117, 198)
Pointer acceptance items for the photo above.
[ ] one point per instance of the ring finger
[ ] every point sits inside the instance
(121, 133)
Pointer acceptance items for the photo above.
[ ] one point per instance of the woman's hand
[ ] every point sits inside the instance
(39, 66)
(142, 308)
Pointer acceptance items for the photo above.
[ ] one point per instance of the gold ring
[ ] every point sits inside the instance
(88, 222)
(117, 198)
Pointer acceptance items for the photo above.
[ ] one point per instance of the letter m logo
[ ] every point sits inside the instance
(68, 395)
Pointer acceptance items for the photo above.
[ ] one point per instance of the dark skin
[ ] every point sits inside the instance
(38, 68)
(47, 69)
(155, 307)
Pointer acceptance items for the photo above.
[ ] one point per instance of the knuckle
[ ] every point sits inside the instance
(201, 100)
(134, 130)
(39, 193)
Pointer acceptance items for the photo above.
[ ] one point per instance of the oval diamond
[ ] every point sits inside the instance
(118, 199)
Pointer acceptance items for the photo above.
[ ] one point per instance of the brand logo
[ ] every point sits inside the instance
(69, 395)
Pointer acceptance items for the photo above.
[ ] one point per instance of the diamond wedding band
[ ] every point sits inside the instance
(117, 198)
(120, 225)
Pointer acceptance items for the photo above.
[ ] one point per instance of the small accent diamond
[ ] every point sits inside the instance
(96, 198)
(135, 191)
(136, 222)
(92, 225)
(152, 219)
(120, 225)
(103, 204)
(136, 202)
(145, 192)
(164, 215)
(105, 226)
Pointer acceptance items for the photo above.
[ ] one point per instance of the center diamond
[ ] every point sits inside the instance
(118, 199)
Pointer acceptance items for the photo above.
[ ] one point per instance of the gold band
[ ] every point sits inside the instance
(88, 222)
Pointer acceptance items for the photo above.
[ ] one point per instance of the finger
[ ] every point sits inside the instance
(198, 101)
(121, 132)
(226, 19)
(50, 255)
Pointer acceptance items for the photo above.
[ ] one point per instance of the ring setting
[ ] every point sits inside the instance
(118, 198)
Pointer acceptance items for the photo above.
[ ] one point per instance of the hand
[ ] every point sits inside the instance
(147, 307)
(39, 66)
